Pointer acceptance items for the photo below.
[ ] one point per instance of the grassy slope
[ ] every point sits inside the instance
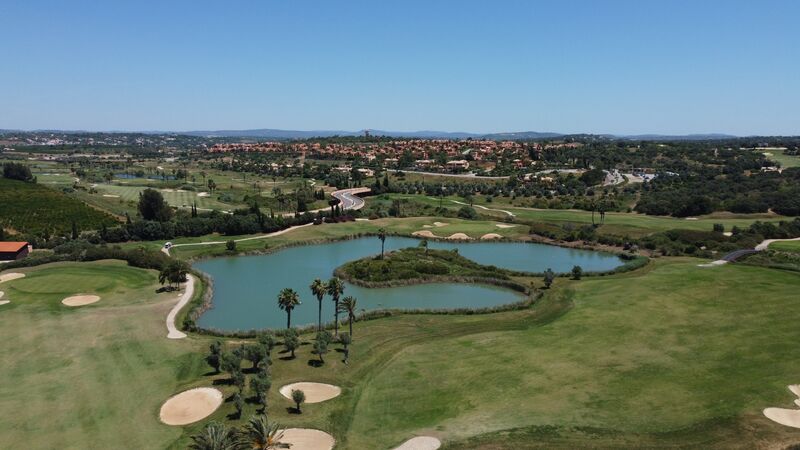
(785, 160)
(650, 353)
(89, 377)
(30, 207)
(787, 246)
(621, 224)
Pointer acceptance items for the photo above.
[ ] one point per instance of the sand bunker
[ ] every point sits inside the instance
(110, 195)
(190, 406)
(459, 236)
(203, 194)
(4, 302)
(11, 276)
(80, 300)
(491, 236)
(788, 417)
(307, 439)
(424, 233)
(420, 443)
(504, 225)
(439, 224)
(315, 392)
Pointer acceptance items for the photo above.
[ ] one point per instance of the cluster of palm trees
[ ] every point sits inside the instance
(288, 299)
(258, 433)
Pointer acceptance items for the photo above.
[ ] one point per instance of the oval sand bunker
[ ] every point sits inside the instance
(80, 300)
(420, 443)
(11, 276)
(307, 439)
(190, 406)
(315, 392)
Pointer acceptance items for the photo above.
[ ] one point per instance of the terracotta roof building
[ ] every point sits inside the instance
(10, 251)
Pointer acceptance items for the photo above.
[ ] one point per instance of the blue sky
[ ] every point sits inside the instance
(483, 66)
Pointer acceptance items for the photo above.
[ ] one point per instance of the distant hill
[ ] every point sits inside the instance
(682, 137)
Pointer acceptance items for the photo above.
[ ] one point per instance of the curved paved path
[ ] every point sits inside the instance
(734, 255)
(765, 245)
(173, 332)
(510, 214)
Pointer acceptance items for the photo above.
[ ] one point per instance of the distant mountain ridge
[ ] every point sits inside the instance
(277, 134)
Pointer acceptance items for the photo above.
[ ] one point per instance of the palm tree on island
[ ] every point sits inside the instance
(287, 300)
(319, 289)
(335, 289)
(348, 306)
(382, 237)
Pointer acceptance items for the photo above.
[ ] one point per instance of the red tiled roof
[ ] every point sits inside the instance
(12, 246)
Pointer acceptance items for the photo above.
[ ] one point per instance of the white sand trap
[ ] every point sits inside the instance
(427, 226)
(190, 406)
(4, 302)
(315, 392)
(504, 225)
(459, 236)
(420, 443)
(203, 194)
(11, 276)
(424, 233)
(691, 218)
(491, 236)
(168, 190)
(439, 224)
(80, 300)
(788, 417)
(110, 195)
(307, 439)
(795, 388)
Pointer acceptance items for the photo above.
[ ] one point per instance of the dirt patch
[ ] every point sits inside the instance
(459, 237)
(80, 300)
(307, 439)
(190, 406)
(420, 443)
(315, 392)
(488, 236)
(424, 233)
(11, 276)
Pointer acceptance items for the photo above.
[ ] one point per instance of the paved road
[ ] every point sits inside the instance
(456, 175)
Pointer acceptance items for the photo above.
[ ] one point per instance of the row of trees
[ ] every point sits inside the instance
(288, 299)
(258, 433)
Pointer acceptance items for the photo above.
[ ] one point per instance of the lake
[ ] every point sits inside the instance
(246, 287)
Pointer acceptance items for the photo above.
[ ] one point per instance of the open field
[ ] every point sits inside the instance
(32, 208)
(785, 160)
(787, 246)
(621, 224)
(624, 360)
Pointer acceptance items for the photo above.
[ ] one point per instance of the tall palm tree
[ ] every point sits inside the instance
(260, 434)
(335, 289)
(319, 289)
(215, 436)
(287, 300)
(382, 237)
(348, 306)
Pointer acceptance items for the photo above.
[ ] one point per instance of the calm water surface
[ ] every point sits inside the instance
(246, 287)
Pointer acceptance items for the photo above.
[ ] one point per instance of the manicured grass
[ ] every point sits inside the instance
(651, 352)
(406, 226)
(620, 224)
(32, 208)
(175, 197)
(786, 246)
(785, 160)
(93, 376)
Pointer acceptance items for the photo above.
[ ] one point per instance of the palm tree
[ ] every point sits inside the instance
(287, 300)
(260, 434)
(382, 237)
(348, 306)
(335, 289)
(319, 289)
(215, 436)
